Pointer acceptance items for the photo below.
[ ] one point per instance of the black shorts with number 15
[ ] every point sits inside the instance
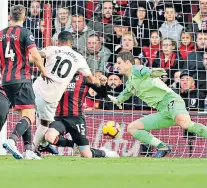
(75, 125)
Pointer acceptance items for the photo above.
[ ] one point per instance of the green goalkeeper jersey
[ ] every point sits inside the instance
(141, 84)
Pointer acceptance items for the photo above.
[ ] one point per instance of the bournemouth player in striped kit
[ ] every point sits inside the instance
(70, 119)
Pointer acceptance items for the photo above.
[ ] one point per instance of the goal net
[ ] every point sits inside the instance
(49, 20)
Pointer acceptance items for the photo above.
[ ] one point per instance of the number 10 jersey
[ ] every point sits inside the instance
(62, 62)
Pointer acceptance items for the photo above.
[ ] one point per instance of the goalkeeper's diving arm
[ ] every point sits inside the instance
(142, 71)
(123, 96)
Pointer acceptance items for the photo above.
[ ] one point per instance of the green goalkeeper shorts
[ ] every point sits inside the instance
(171, 106)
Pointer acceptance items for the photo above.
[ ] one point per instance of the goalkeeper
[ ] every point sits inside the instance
(145, 84)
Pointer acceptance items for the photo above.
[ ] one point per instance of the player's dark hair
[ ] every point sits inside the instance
(65, 36)
(17, 12)
(169, 5)
(126, 56)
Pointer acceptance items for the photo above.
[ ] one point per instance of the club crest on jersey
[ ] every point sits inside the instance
(77, 77)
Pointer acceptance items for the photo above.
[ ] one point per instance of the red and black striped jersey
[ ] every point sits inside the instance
(71, 103)
(15, 42)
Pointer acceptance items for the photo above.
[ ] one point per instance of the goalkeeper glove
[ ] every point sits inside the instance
(115, 101)
(158, 72)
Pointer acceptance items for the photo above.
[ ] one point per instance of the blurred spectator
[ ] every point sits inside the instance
(168, 59)
(200, 19)
(95, 53)
(194, 61)
(120, 27)
(103, 22)
(141, 26)
(115, 87)
(114, 81)
(184, 9)
(121, 6)
(128, 43)
(150, 53)
(155, 11)
(33, 22)
(194, 99)
(91, 7)
(176, 83)
(80, 32)
(187, 44)
(62, 21)
(54, 40)
(205, 60)
(204, 88)
(171, 28)
(78, 6)
(42, 25)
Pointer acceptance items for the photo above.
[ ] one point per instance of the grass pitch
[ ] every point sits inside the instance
(62, 172)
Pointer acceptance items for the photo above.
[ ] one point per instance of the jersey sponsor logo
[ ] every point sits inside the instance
(31, 37)
(77, 77)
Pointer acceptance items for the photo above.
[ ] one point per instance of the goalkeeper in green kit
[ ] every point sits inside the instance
(146, 84)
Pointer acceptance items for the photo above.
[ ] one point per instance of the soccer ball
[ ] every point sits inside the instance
(111, 129)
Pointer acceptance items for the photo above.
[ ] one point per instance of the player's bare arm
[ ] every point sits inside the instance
(37, 58)
(123, 96)
(42, 54)
(93, 80)
(100, 90)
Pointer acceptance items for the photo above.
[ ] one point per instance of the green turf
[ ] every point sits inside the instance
(61, 172)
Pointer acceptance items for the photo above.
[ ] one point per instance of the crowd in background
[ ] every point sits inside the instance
(167, 34)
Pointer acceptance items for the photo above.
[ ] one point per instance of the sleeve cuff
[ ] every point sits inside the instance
(31, 46)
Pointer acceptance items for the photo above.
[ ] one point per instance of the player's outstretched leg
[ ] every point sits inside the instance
(19, 130)
(29, 153)
(108, 153)
(52, 136)
(39, 136)
(47, 148)
(136, 129)
(185, 122)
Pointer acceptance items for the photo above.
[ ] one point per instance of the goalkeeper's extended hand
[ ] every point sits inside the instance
(158, 72)
(115, 101)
